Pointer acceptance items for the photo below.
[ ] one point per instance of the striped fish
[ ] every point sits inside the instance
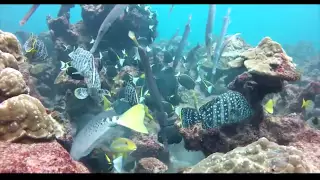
(36, 48)
(228, 108)
(83, 61)
(130, 94)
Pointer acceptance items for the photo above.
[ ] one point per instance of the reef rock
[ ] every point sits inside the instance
(261, 156)
(37, 158)
(150, 165)
(280, 129)
(308, 93)
(147, 146)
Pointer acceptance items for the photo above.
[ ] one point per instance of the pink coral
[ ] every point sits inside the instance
(150, 165)
(37, 158)
(147, 146)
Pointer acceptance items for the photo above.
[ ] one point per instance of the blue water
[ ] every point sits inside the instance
(286, 24)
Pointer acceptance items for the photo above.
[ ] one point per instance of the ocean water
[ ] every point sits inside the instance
(286, 24)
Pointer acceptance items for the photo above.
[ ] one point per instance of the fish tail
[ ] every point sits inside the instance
(303, 103)
(195, 99)
(189, 117)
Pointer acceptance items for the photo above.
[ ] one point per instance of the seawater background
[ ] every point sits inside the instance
(286, 24)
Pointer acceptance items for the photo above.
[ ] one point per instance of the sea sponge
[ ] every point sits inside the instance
(24, 117)
(268, 59)
(261, 156)
(12, 83)
(10, 44)
(7, 60)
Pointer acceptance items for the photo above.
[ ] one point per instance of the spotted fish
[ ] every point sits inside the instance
(130, 94)
(35, 48)
(228, 108)
(83, 62)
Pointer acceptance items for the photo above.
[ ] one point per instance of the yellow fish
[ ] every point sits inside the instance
(306, 103)
(134, 119)
(120, 148)
(148, 115)
(269, 106)
(132, 36)
(122, 145)
(106, 104)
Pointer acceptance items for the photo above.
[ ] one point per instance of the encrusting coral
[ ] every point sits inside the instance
(11, 83)
(24, 116)
(261, 156)
(268, 59)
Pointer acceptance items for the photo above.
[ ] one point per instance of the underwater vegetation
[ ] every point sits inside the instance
(102, 96)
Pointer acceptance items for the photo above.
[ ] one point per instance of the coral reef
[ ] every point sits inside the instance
(24, 116)
(150, 165)
(11, 83)
(7, 60)
(37, 158)
(261, 156)
(287, 130)
(268, 59)
(24, 122)
(147, 146)
(65, 34)
(308, 93)
(10, 44)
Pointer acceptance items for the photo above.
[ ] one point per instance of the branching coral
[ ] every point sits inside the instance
(261, 156)
(24, 116)
(11, 83)
(10, 44)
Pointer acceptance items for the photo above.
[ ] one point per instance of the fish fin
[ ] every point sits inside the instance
(76, 73)
(178, 74)
(304, 103)
(118, 164)
(134, 80)
(92, 41)
(108, 159)
(198, 79)
(81, 93)
(136, 124)
(189, 117)
(148, 49)
(210, 89)
(121, 61)
(63, 65)
(269, 106)
(106, 103)
(100, 55)
(132, 36)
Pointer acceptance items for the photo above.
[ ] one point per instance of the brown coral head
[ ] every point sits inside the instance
(7, 60)
(24, 117)
(10, 44)
(12, 83)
